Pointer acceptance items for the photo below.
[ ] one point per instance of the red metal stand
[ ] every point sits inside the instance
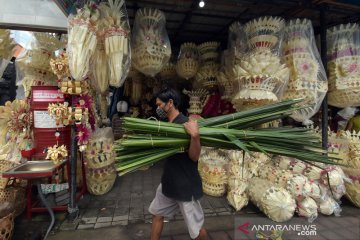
(33, 206)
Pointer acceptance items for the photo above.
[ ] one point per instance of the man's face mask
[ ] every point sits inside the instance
(161, 113)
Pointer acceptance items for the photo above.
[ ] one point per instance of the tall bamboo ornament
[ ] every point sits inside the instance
(307, 74)
(115, 28)
(188, 61)
(207, 74)
(260, 75)
(150, 42)
(343, 65)
(82, 40)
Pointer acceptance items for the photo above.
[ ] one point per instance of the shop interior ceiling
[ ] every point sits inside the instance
(186, 21)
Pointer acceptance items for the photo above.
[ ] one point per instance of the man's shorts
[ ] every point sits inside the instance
(167, 207)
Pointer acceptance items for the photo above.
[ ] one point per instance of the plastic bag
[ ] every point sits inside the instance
(236, 42)
(82, 40)
(188, 61)
(308, 208)
(343, 65)
(260, 77)
(307, 74)
(114, 27)
(150, 42)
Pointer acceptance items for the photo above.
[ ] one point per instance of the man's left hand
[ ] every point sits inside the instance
(192, 128)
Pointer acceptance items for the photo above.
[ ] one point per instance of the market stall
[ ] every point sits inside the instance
(89, 105)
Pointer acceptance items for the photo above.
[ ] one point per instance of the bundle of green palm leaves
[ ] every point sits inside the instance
(148, 141)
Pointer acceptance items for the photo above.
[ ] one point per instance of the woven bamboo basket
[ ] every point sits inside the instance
(187, 67)
(99, 153)
(100, 181)
(4, 166)
(7, 201)
(20, 201)
(149, 64)
(7, 227)
(344, 98)
(212, 189)
(208, 51)
(168, 72)
(353, 189)
(100, 160)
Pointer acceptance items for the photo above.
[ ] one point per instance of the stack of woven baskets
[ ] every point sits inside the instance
(12, 202)
(100, 171)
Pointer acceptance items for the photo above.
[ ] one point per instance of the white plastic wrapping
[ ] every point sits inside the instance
(115, 29)
(6, 49)
(308, 208)
(343, 65)
(275, 202)
(260, 77)
(188, 61)
(307, 74)
(82, 40)
(150, 41)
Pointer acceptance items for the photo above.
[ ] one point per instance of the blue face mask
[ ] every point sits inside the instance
(161, 113)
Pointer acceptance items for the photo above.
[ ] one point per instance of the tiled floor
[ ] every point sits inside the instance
(129, 200)
(126, 205)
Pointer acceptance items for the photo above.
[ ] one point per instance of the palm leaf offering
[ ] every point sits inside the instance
(147, 142)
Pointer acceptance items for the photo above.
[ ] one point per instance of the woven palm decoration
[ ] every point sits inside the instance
(213, 172)
(188, 62)
(82, 39)
(168, 72)
(260, 74)
(206, 76)
(307, 75)
(296, 184)
(6, 49)
(225, 80)
(197, 100)
(275, 202)
(209, 51)
(343, 65)
(115, 32)
(238, 197)
(34, 64)
(264, 32)
(100, 181)
(150, 42)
